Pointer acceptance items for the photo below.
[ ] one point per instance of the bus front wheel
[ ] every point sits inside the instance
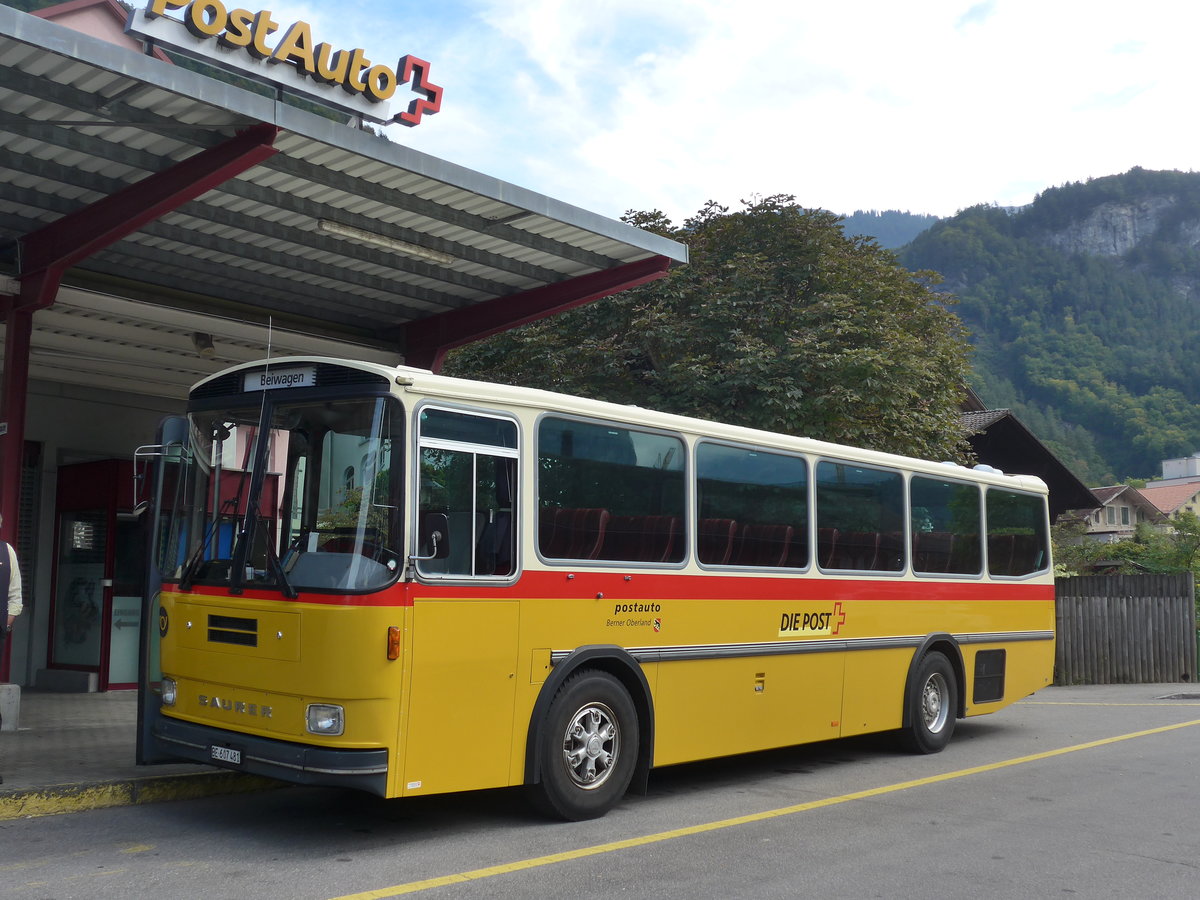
(589, 747)
(932, 706)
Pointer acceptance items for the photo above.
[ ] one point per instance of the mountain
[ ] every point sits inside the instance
(1084, 312)
(891, 228)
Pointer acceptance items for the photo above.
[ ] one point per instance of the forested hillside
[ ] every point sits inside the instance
(891, 228)
(1083, 309)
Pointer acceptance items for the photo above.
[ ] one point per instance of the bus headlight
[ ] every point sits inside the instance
(324, 718)
(169, 692)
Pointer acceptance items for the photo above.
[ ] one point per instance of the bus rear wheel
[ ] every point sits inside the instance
(589, 747)
(932, 706)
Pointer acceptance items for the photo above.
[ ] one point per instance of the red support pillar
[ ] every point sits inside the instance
(18, 327)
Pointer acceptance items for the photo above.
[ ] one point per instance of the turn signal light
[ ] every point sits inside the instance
(394, 642)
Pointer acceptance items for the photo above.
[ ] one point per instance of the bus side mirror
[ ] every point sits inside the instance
(433, 536)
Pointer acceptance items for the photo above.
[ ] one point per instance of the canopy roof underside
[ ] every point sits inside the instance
(298, 240)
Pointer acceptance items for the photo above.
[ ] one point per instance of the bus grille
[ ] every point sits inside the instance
(232, 630)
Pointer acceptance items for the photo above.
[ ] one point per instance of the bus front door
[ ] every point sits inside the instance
(160, 477)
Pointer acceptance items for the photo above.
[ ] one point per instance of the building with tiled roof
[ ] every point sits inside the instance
(1122, 508)
(1172, 499)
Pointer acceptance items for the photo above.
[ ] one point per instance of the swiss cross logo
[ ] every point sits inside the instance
(839, 616)
(415, 72)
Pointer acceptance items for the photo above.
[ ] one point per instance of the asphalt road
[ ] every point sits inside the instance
(1088, 791)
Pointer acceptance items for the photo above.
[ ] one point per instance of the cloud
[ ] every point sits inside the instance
(618, 104)
(977, 14)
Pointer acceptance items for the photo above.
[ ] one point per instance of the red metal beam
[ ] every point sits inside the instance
(48, 252)
(427, 341)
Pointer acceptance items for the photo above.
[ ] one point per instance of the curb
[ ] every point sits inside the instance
(73, 798)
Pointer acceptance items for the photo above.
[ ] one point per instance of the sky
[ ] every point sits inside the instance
(929, 106)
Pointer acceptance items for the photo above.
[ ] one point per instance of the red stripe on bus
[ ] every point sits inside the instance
(642, 586)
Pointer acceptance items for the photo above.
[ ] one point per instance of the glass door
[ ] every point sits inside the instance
(125, 627)
(82, 590)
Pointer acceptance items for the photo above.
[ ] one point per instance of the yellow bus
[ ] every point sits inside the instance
(412, 584)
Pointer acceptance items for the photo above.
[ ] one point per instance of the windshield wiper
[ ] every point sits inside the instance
(189, 569)
(274, 564)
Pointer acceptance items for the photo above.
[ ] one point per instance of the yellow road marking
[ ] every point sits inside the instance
(413, 887)
(1173, 703)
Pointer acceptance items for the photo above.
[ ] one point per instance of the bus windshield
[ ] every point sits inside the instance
(292, 495)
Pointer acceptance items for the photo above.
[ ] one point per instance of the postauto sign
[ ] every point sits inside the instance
(254, 44)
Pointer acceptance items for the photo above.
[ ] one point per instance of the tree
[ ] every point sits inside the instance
(779, 322)
(1074, 552)
(1172, 550)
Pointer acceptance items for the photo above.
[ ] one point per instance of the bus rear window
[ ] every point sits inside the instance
(1017, 533)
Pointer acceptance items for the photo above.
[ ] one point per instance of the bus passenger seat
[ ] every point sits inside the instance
(493, 550)
(932, 550)
(716, 541)
(858, 550)
(641, 538)
(1000, 553)
(763, 545)
(571, 533)
(827, 540)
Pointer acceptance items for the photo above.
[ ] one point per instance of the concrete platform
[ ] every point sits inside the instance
(10, 708)
(73, 752)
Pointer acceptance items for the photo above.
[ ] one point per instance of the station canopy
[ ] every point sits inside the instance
(344, 242)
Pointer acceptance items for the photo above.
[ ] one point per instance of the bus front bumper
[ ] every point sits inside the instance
(364, 770)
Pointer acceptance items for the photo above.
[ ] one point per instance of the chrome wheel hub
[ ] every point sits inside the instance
(933, 703)
(590, 745)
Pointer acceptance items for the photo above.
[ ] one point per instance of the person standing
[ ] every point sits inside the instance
(12, 574)
(10, 588)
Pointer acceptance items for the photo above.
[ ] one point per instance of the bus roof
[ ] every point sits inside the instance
(468, 392)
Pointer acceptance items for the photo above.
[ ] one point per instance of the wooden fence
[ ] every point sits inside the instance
(1125, 629)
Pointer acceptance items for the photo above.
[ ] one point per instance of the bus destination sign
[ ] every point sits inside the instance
(274, 379)
(253, 44)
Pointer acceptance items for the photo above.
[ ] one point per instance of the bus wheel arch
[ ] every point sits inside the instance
(934, 695)
(595, 666)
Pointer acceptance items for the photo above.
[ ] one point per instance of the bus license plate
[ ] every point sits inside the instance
(226, 755)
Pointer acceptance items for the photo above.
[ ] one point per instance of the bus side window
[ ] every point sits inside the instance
(860, 517)
(494, 551)
(608, 492)
(468, 480)
(753, 507)
(945, 524)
